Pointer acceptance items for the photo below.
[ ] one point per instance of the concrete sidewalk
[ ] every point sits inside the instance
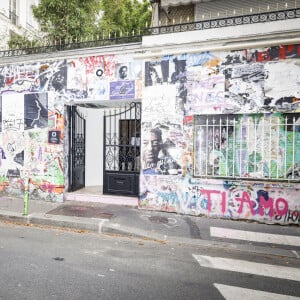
(133, 222)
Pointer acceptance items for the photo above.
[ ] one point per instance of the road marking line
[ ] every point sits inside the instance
(255, 236)
(237, 293)
(295, 252)
(100, 225)
(248, 267)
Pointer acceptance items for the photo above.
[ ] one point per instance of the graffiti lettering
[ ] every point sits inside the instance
(209, 194)
(13, 124)
(290, 217)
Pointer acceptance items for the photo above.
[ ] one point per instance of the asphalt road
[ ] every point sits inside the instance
(46, 263)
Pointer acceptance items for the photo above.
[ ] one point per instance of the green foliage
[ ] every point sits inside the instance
(67, 21)
(126, 16)
(17, 41)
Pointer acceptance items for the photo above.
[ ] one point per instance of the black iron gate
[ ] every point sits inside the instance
(77, 133)
(122, 139)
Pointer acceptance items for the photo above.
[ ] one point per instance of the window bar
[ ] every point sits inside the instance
(263, 139)
(270, 145)
(197, 154)
(213, 147)
(206, 146)
(248, 143)
(241, 146)
(278, 148)
(293, 151)
(233, 152)
(201, 144)
(196, 138)
(285, 146)
(255, 144)
(220, 146)
(227, 145)
(202, 155)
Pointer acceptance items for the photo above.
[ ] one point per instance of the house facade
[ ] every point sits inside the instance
(16, 17)
(201, 117)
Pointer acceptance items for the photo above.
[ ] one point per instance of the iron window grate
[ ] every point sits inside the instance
(252, 146)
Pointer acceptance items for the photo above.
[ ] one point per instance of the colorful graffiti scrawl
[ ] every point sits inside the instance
(236, 200)
(24, 144)
(239, 117)
(32, 115)
(74, 79)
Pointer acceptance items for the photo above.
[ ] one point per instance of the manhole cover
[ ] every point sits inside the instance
(158, 220)
(81, 211)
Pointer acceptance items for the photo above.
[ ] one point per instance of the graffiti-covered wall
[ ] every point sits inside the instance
(33, 136)
(221, 134)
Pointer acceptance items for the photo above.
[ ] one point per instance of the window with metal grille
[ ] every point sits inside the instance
(252, 146)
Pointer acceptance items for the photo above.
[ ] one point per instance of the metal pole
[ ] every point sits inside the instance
(26, 195)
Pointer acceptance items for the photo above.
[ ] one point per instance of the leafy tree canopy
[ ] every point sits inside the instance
(67, 20)
(126, 16)
(76, 20)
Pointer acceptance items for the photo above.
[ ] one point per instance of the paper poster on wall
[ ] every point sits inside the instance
(161, 148)
(35, 110)
(159, 100)
(13, 112)
(122, 90)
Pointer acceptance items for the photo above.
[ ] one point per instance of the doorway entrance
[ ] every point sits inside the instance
(121, 150)
(77, 138)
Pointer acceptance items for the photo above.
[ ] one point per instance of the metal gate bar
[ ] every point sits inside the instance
(77, 134)
(122, 150)
(248, 146)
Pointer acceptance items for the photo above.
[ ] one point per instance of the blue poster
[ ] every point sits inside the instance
(124, 89)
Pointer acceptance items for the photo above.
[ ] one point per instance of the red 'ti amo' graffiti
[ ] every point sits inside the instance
(279, 205)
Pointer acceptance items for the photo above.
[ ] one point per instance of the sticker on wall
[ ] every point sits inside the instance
(54, 137)
(13, 173)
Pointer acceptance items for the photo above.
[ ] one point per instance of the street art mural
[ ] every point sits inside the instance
(26, 154)
(220, 130)
(237, 145)
(33, 136)
(236, 200)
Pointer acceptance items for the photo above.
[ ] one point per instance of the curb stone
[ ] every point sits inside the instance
(98, 225)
